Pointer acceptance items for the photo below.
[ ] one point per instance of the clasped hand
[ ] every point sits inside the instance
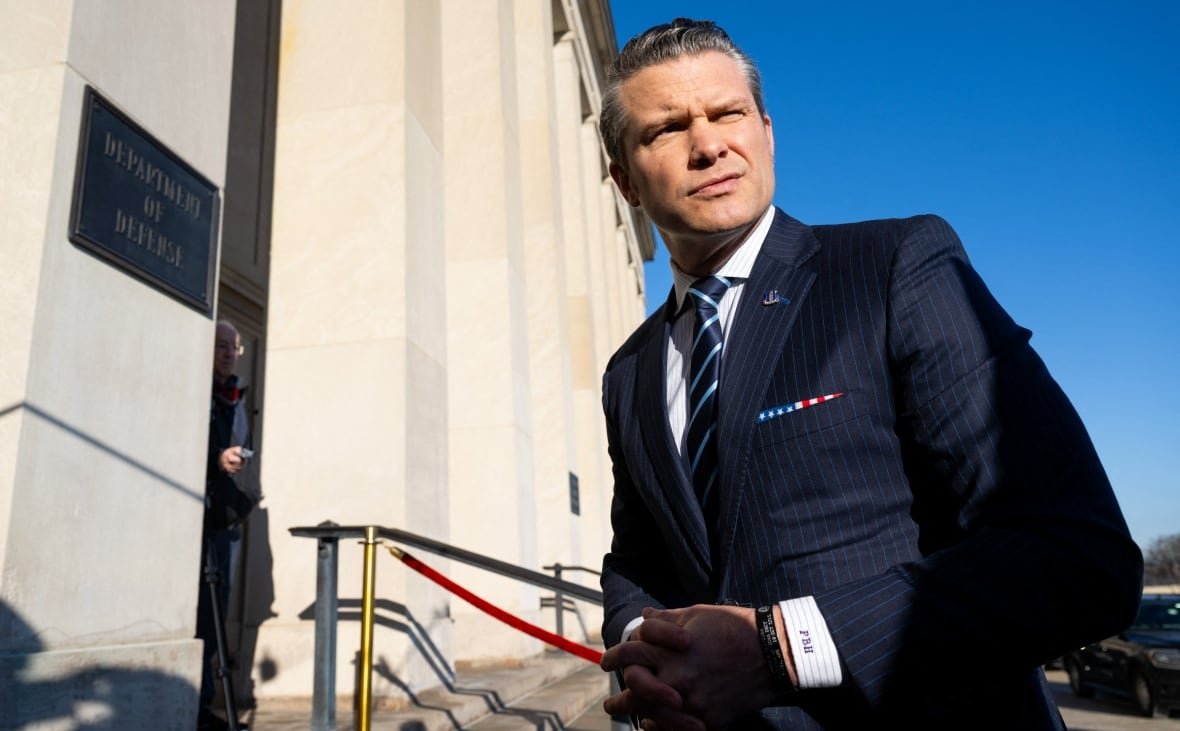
(695, 668)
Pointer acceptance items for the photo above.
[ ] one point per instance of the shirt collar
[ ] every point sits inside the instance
(736, 267)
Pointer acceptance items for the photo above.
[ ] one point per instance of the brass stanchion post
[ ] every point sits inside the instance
(364, 691)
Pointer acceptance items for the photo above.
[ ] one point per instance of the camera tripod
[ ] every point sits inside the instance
(212, 575)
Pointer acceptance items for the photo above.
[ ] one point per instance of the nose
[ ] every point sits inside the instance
(708, 143)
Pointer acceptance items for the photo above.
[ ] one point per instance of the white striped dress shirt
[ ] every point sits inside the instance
(816, 660)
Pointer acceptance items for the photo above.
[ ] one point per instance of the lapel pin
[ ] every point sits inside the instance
(772, 298)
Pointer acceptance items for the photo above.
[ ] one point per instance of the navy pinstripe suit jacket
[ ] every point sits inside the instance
(948, 511)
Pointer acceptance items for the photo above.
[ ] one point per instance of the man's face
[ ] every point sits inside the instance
(226, 349)
(699, 156)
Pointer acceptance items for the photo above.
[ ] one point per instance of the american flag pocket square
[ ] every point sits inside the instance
(777, 411)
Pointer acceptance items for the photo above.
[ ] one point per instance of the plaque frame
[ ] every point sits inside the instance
(197, 291)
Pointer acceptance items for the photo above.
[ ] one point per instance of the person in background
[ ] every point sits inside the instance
(228, 500)
(847, 493)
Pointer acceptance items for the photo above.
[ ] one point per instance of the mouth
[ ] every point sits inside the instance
(718, 185)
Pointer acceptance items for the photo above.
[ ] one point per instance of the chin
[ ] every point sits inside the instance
(723, 221)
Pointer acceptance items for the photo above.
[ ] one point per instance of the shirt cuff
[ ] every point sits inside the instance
(631, 627)
(817, 663)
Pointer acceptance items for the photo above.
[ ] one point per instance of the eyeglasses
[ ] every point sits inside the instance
(226, 347)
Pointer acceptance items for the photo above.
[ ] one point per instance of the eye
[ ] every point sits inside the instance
(666, 130)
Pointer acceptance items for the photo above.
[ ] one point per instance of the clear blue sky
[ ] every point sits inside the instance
(1047, 133)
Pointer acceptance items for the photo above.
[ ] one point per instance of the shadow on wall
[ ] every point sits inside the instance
(47, 691)
(251, 604)
(96, 697)
(106, 697)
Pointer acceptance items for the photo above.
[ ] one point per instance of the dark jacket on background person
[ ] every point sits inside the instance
(226, 505)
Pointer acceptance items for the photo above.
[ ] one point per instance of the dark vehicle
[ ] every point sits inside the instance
(1141, 662)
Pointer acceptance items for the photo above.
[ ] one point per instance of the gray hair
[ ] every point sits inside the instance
(660, 44)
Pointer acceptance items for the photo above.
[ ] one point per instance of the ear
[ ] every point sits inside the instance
(623, 180)
(769, 134)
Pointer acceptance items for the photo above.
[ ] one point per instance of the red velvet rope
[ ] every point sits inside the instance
(561, 643)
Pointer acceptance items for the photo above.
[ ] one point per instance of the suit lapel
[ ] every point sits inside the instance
(662, 450)
(752, 352)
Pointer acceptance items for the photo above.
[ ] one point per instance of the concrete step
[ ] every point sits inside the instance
(577, 696)
(549, 691)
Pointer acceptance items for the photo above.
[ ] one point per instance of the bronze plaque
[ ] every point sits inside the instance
(142, 208)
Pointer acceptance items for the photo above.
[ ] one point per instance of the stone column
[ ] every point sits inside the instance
(548, 319)
(580, 161)
(357, 360)
(104, 380)
(490, 407)
(595, 464)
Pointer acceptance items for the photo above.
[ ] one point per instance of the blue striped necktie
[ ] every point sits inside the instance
(704, 376)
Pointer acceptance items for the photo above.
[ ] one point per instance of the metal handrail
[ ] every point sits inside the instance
(559, 567)
(328, 535)
(536, 578)
(559, 607)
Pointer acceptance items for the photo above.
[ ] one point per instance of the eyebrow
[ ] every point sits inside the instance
(671, 114)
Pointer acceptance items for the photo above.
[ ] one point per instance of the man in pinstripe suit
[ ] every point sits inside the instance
(896, 482)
